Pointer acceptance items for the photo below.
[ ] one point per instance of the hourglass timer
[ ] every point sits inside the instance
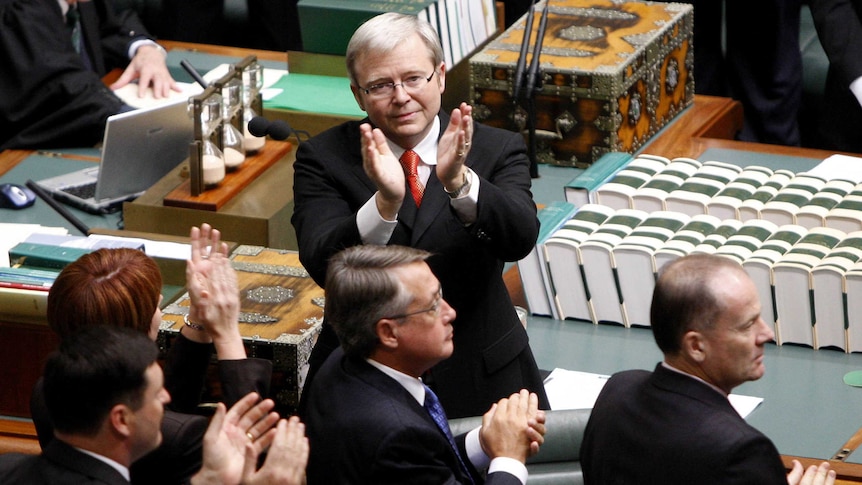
(207, 160)
(233, 143)
(252, 82)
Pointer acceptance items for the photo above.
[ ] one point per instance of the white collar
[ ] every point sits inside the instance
(426, 149)
(413, 385)
(124, 471)
(674, 369)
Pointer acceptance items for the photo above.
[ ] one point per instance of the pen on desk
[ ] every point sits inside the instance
(57, 207)
(193, 73)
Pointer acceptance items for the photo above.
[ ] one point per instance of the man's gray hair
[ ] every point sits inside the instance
(383, 33)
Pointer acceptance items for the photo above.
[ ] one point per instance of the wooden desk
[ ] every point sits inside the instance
(259, 214)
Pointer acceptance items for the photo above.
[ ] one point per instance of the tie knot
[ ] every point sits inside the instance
(72, 15)
(410, 161)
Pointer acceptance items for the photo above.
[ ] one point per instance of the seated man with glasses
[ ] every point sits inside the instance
(412, 175)
(371, 419)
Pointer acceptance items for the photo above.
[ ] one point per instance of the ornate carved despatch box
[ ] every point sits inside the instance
(613, 73)
(281, 310)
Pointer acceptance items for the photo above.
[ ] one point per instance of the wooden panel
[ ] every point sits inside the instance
(25, 349)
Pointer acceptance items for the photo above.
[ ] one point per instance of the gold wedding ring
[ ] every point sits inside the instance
(250, 436)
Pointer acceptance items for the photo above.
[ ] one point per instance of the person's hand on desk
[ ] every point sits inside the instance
(814, 475)
(149, 68)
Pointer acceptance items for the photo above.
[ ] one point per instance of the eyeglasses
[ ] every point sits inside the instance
(384, 90)
(434, 309)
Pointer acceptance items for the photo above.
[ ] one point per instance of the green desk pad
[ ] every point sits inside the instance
(203, 63)
(315, 94)
(37, 167)
(301, 92)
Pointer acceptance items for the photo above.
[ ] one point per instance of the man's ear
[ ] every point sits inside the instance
(120, 419)
(357, 97)
(387, 332)
(694, 345)
(442, 77)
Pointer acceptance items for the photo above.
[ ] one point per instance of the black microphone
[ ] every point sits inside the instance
(277, 130)
(193, 73)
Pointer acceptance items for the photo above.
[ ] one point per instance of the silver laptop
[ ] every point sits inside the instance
(139, 148)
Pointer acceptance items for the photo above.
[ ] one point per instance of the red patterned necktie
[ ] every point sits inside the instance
(410, 161)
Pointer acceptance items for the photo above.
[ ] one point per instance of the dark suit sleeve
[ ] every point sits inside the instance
(325, 206)
(839, 28)
(506, 224)
(116, 31)
(178, 457)
(240, 377)
(185, 368)
(754, 461)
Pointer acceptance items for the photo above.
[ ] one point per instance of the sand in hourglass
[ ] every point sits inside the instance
(252, 143)
(233, 158)
(213, 167)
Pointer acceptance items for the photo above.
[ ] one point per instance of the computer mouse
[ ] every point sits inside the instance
(14, 196)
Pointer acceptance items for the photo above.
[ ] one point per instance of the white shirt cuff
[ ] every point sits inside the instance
(373, 228)
(133, 47)
(466, 206)
(481, 461)
(856, 89)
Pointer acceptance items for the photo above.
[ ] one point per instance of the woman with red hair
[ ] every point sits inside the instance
(122, 287)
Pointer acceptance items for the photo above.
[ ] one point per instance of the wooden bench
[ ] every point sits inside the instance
(18, 436)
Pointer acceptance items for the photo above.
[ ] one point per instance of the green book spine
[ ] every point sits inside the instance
(552, 217)
(578, 189)
(43, 255)
(327, 25)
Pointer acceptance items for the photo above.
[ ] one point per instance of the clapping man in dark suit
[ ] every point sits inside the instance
(675, 425)
(370, 417)
(467, 201)
(105, 393)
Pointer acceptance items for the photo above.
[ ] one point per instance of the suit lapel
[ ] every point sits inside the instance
(435, 200)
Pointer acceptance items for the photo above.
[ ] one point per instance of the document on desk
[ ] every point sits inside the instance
(13, 233)
(129, 95)
(569, 389)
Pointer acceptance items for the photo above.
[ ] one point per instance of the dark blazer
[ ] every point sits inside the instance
(668, 428)
(49, 97)
(492, 357)
(59, 464)
(839, 28)
(180, 454)
(364, 427)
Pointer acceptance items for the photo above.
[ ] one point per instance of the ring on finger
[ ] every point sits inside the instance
(250, 436)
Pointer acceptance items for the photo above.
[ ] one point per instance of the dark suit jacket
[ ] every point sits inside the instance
(49, 98)
(59, 464)
(364, 427)
(180, 454)
(492, 357)
(667, 428)
(839, 28)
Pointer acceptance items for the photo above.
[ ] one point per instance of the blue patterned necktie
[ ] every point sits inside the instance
(432, 405)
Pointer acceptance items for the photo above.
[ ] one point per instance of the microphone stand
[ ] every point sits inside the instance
(517, 84)
(534, 86)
